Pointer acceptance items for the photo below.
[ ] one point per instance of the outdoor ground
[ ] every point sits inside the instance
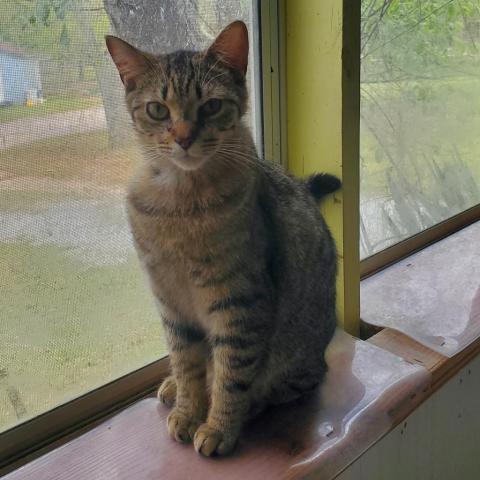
(76, 311)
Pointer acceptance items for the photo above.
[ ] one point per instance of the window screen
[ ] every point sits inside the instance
(420, 116)
(75, 309)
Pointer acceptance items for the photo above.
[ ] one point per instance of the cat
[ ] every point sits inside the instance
(239, 258)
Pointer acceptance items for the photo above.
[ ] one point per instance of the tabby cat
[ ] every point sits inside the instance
(239, 258)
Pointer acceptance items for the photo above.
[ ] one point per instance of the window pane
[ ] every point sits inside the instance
(75, 310)
(420, 116)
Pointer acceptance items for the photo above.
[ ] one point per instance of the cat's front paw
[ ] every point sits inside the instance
(167, 393)
(181, 426)
(210, 441)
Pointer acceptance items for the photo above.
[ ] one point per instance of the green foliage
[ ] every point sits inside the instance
(403, 38)
(419, 147)
(64, 37)
(51, 26)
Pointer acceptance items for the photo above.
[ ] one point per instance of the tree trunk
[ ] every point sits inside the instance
(155, 25)
(108, 82)
(161, 26)
(167, 25)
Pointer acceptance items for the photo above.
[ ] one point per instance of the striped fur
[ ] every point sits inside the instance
(239, 258)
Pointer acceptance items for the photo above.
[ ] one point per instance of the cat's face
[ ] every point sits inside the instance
(186, 105)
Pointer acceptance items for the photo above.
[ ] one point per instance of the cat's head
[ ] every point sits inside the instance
(186, 106)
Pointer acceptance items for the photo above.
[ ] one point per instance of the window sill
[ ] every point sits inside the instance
(320, 436)
(323, 434)
(432, 296)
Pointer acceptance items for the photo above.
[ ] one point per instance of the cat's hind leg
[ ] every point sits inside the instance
(295, 385)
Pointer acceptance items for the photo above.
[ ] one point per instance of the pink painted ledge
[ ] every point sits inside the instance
(367, 391)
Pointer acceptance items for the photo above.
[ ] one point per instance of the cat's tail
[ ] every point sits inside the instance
(321, 184)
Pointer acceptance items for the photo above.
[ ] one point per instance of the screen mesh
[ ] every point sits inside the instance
(75, 310)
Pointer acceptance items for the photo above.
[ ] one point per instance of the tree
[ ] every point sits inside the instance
(154, 26)
(403, 38)
(167, 25)
(420, 64)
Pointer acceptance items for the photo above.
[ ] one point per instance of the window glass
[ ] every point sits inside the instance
(420, 116)
(75, 309)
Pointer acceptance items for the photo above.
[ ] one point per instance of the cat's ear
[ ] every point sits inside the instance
(130, 62)
(232, 46)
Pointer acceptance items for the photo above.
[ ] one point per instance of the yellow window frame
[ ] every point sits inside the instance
(322, 58)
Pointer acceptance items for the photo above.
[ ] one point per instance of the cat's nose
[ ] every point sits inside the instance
(184, 134)
(185, 143)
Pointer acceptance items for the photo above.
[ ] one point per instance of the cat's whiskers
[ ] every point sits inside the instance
(234, 163)
(214, 78)
(208, 72)
(236, 149)
(227, 160)
(240, 150)
(244, 158)
(156, 150)
(153, 68)
(237, 157)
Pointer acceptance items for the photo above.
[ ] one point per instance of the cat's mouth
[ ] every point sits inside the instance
(187, 160)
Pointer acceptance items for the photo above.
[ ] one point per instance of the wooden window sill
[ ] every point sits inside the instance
(431, 296)
(368, 391)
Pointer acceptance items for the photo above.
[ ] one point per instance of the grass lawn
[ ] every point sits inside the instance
(57, 104)
(67, 329)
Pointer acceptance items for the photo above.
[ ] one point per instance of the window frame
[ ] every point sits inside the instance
(45, 428)
(390, 255)
(272, 54)
(323, 131)
(277, 75)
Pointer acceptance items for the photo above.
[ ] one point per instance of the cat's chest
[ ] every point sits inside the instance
(170, 237)
(162, 247)
(171, 253)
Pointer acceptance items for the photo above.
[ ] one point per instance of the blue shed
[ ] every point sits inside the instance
(19, 76)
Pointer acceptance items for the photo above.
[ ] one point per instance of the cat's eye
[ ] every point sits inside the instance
(157, 111)
(212, 107)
